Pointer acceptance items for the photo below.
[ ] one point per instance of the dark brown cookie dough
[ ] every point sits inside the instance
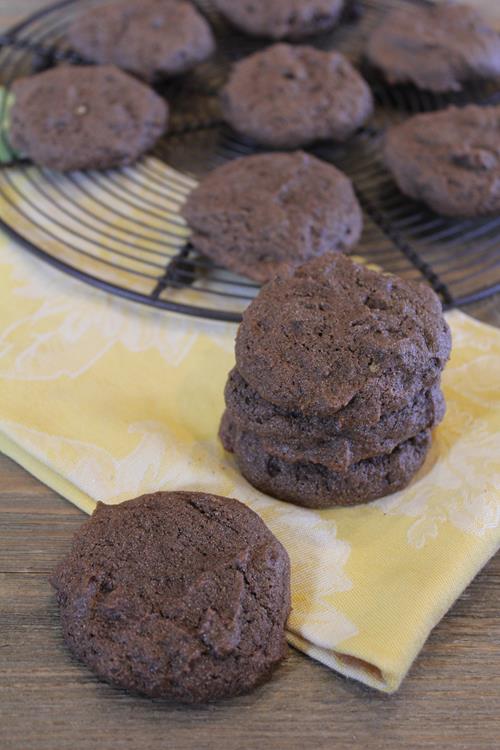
(149, 38)
(450, 159)
(264, 215)
(89, 117)
(286, 97)
(436, 47)
(315, 485)
(282, 19)
(336, 331)
(176, 594)
(328, 440)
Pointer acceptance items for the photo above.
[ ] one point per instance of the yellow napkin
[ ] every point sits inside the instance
(105, 400)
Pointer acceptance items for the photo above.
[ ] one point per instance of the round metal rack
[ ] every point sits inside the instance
(121, 230)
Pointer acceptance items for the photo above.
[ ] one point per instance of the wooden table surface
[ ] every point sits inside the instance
(48, 701)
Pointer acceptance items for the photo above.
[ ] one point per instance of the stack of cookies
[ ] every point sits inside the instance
(337, 384)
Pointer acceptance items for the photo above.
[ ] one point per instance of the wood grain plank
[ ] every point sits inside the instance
(450, 698)
(305, 705)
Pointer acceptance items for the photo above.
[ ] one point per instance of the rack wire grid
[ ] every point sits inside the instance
(121, 230)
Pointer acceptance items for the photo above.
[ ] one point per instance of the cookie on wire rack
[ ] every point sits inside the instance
(282, 19)
(449, 159)
(84, 117)
(286, 96)
(266, 214)
(436, 46)
(149, 38)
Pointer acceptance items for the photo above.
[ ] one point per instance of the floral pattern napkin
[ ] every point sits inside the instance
(104, 400)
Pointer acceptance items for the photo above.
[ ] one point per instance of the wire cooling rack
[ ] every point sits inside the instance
(121, 230)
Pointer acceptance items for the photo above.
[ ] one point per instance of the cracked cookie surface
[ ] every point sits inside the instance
(149, 38)
(176, 594)
(437, 46)
(449, 159)
(336, 331)
(85, 117)
(289, 96)
(315, 485)
(282, 19)
(336, 441)
(264, 215)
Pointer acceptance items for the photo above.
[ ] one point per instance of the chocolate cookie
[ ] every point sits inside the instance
(315, 485)
(282, 19)
(150, 38)
(435, 46)
(264, 215)
(84, 118)
(450, 159)
(286, 97)
(336, 331)
(329, 440)
(176, 594)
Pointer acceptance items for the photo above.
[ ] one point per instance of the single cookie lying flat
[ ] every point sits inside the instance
(435, 46)
(150, 38)
(286, 97)
(449, 159)
(316, 486)
(282, 19)
(89, 117)
(264, 215)
(176, 594)
(336, 331)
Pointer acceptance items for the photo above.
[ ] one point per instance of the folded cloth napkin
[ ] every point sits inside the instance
(104, 400)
